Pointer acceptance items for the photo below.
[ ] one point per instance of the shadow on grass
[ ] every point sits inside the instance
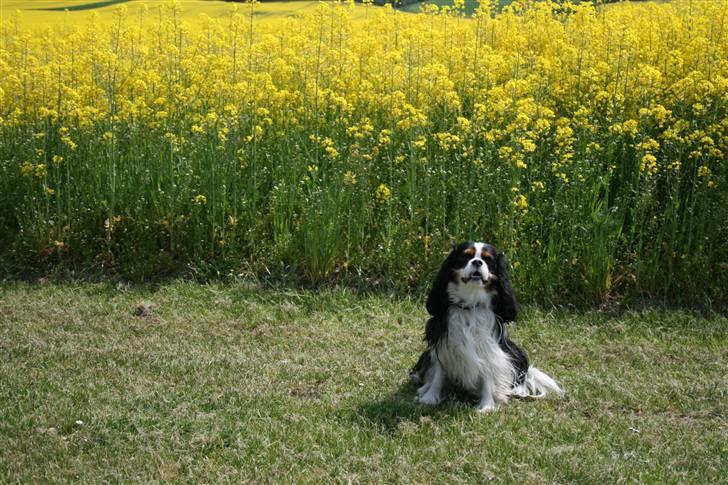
(394, 411)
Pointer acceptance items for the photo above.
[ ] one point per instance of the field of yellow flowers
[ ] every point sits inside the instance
(587, 142)
(37, 15)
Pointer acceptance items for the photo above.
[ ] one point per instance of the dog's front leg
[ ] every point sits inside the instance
(487, 400)
(431, 392)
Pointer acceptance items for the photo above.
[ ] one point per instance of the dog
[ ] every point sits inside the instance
(468, 348)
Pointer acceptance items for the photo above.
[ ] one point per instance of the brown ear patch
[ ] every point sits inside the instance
(454, 277)
(490, 283)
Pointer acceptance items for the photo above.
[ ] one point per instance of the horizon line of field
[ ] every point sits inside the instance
(78, 5)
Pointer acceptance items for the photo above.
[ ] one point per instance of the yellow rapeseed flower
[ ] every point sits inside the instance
(349, 178)
(383, 194)
(420, 142)
(704, 171)
(26, 169)
(521, 202)
(649, 164)
(528, 146)
(331, 152)
(41, 170)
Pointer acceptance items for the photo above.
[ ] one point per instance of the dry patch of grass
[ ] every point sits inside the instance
(214, 383)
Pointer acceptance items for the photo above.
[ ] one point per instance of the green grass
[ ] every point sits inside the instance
(231, 383)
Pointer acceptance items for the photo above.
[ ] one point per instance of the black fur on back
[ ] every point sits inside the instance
(517, 354)
(504, 302)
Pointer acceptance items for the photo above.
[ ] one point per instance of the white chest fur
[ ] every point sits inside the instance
(470, 354)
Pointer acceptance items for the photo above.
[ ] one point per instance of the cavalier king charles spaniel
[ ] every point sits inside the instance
(468, 348)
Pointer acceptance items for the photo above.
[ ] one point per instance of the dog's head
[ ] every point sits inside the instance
(473, 274)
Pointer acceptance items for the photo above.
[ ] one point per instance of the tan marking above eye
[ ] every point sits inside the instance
(486, 254)
(470, 252)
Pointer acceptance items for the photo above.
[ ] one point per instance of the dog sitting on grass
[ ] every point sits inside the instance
(468, 348)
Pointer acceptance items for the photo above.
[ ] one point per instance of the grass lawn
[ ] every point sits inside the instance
(239, 383)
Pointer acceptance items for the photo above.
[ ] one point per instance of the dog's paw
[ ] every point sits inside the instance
(421, 391)
(429, 399)
(487, 407)
(500, 399)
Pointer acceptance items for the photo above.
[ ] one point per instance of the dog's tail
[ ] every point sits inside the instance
(537, 384)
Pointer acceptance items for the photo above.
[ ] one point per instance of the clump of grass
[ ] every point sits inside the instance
(586, 142)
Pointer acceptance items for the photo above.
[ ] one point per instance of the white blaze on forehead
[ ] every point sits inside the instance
(479, 249)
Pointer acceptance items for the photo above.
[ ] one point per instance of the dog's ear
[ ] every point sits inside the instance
(504, 303)
(438, 300)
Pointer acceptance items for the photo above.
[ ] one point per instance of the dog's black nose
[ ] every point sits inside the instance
(477, 263)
